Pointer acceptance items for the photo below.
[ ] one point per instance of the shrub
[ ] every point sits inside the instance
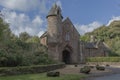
(103, 59)
(53, 74)
(85, 69)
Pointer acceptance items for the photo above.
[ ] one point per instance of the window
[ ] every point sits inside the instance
(58, 12)
(67, 36)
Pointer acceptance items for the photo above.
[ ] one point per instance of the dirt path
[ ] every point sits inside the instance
(71, 69)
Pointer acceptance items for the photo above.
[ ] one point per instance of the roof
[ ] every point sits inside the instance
(43, 35)
(54, 11)
(91, 45)
(95, 45)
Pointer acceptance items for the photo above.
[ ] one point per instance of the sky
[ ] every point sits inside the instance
(86, 15)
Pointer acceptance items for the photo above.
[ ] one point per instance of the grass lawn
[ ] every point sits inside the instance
(42, 77)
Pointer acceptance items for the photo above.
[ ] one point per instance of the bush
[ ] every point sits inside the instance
(103, 59)
(101, 68)
(53, 74)
(13, 55)
(85, 69)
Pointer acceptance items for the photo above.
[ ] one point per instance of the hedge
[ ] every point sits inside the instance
(103, 59)
(29, 69)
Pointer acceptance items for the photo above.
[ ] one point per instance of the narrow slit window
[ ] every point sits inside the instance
(67, 36)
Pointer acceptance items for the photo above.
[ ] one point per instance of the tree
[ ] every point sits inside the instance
(20, 51)
(4, 29)
(84, 38)
(34, 39)
(24, 36)
(110, 34)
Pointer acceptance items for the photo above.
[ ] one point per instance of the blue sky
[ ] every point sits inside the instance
(86, 11)
(86, 15)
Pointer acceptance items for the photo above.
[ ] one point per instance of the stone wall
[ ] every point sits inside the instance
(72, 41)
(29, 69)
(99, 51)
(43, 41)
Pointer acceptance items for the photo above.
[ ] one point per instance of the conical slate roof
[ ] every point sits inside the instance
(54, 11)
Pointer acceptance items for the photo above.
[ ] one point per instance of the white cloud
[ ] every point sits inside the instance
(22, 23)
(37, 21)
(24, 5)
(113, 19)
(82, 29)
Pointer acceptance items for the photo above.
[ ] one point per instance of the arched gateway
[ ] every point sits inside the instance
(66, 55)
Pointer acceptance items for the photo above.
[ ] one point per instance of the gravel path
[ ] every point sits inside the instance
(71, 69)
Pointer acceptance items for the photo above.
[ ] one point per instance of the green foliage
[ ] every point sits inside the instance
(20, 51)
(24, 36)
(10, 59)
(34, 39)
(103, 59)
(2, 27)
(4, 31)
(84, 38)
(110, 35)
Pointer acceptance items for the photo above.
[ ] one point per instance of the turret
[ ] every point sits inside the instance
(54, 19)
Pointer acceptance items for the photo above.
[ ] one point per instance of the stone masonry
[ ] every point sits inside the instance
(63, 40)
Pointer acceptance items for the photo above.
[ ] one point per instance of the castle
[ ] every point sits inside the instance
(63, 40)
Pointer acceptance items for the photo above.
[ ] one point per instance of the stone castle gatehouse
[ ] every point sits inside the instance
(62, 38)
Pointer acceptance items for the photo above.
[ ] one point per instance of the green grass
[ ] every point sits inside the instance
(42, 77)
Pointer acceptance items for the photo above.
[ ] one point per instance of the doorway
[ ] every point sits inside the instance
(66, 58)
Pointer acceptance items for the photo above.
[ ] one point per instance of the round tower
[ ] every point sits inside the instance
(54, 19)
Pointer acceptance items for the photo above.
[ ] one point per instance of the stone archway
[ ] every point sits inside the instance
(66, 57)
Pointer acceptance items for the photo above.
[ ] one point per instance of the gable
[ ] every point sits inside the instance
(67, 23)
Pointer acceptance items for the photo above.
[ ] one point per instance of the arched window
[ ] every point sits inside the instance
(67, 36)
